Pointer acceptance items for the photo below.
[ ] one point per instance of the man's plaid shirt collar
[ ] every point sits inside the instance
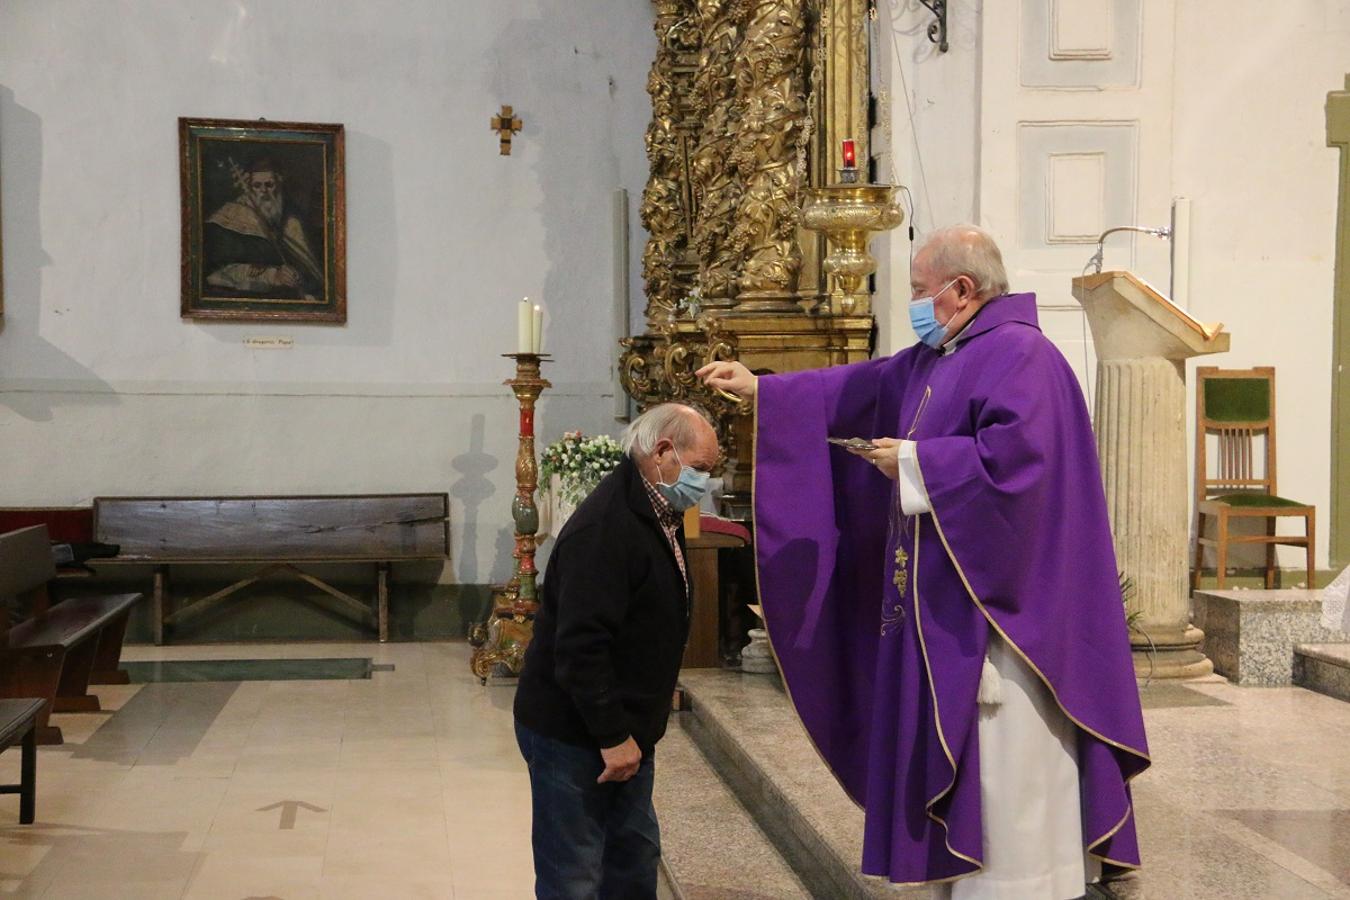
(666, 515)
(669, 519)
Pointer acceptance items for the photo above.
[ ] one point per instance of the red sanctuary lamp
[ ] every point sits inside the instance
(848, 173)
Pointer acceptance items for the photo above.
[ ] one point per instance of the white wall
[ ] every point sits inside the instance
(105, 390)
(1229, 103)
(1251, 151)
(935, 136)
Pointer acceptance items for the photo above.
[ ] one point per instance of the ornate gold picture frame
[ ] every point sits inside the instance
(264, 221)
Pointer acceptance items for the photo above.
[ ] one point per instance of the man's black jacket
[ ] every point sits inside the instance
(611, 628)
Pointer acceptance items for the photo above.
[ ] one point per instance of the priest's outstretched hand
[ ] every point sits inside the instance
(886, 457)
(730, 376)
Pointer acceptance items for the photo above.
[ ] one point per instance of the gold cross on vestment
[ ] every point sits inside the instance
(901, 577)
(506, 124)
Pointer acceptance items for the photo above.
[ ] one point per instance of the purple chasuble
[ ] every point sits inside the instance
(880, 621)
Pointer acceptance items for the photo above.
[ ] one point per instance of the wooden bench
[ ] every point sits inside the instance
(54, 651)
(278, 534)
(18, 725)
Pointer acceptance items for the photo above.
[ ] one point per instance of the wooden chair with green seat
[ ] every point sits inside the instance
(1237, 406)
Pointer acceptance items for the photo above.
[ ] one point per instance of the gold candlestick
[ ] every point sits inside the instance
(504, 637)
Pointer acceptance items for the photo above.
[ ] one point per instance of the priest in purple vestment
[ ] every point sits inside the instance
(945, 606)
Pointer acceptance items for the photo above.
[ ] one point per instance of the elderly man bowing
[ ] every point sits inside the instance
(944, 603)
(595, 690)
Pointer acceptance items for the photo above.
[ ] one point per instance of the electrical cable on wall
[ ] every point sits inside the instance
(896, 9)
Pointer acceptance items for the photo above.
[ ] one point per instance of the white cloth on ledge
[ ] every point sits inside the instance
(1335, 605)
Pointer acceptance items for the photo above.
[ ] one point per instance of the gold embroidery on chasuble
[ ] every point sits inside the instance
(896, 616)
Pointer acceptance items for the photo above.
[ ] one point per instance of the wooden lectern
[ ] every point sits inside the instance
(1142, 341)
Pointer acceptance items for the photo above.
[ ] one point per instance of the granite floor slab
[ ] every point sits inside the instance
(1247, 796)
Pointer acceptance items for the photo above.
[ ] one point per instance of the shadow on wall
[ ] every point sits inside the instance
(21, 138)
(504, 563)
(578, 108)
(470, 489)
(910, 20)
(581, 95)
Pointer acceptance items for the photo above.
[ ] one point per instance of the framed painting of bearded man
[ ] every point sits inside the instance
(264, 221)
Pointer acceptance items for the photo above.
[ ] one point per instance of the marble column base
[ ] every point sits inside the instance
(757, 657)
(1173, 653)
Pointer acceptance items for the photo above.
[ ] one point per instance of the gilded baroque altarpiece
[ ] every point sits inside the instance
(750, 102)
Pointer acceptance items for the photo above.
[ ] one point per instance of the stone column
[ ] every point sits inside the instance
(1142, 343)
(1140, 423)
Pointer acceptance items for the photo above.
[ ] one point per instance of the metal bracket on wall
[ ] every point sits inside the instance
(937, 30)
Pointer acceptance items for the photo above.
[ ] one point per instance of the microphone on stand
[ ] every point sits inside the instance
(1161, 231)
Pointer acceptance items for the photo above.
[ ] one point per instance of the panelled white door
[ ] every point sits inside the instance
(1076, 132)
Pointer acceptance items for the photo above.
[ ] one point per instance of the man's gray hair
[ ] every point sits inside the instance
(967, 250)
(668, 420)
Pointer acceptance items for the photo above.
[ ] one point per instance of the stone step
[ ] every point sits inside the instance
(748, 731)
(1251, 635)
(711, 847)
(1324, 668)
(746, 727)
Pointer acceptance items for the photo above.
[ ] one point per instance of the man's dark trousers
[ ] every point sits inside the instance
(590, 840)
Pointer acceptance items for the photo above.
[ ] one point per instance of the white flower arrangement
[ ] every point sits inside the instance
(579, 462)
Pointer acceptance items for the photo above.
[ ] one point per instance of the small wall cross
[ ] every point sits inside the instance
(506, 124)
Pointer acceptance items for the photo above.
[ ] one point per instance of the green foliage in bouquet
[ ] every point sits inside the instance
(579, 462)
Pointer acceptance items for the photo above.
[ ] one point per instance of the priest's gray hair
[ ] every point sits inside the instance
(967, 250)
(668, 420)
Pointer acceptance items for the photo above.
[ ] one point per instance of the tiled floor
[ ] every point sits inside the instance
(1250, 798)
(401, 786)
(409, 785)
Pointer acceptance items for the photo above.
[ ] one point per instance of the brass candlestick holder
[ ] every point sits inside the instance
(848, 214)
(500, 642)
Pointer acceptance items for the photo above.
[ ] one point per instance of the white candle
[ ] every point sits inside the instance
(538, 329)
(524, 327)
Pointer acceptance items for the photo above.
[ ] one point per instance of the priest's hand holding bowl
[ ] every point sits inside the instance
(732, 377)
(886, 456)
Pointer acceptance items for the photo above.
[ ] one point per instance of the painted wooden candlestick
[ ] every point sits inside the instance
(506, 634)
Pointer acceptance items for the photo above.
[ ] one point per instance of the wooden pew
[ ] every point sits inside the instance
(18, 725)
(65, 524)
(54, 651)
(278, 534)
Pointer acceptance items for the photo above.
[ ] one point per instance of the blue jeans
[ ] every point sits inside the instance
(590, 840)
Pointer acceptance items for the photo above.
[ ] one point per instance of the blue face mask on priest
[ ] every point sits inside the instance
(939, 315)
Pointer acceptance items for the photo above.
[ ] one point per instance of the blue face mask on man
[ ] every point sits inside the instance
(923, 319)
(687, 489)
